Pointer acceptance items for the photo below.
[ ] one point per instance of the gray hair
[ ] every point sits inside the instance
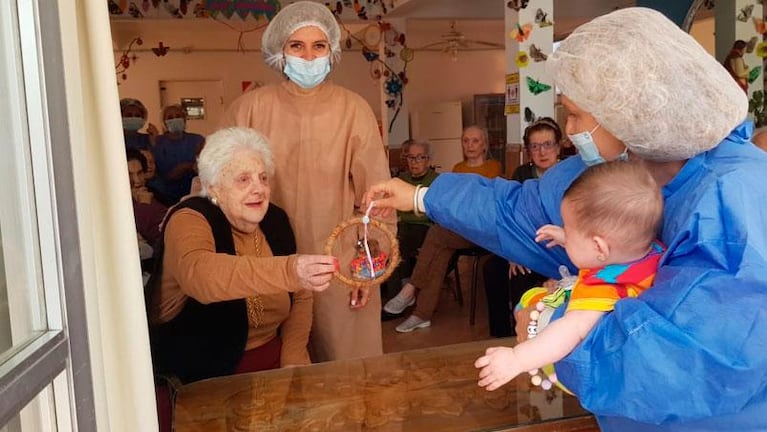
(483, 132)
(220, 148)
(425, 145)
(648, 83)
(293, 17)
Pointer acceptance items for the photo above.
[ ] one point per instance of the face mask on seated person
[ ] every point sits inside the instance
(133, 124)
(175, 125)
(307, 74)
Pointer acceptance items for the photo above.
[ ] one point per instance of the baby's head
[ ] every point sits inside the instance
(611, 214)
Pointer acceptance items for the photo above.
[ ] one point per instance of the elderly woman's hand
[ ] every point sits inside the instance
(391, 194)
(315, 271)
(517, 269)
(151, 130)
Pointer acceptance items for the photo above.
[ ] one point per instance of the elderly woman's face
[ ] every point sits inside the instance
(242, 190)
(417, 160)
(136, 174)
(473, 143)
(308, 43)
(151, 167)
(579, 121)
(543, 148)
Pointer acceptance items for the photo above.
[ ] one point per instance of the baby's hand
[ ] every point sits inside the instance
(499, 366)
(555, 235)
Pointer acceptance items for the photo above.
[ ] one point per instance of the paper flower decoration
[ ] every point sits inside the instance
(761, 49)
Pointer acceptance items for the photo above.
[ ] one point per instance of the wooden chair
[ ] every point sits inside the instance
(475, 253)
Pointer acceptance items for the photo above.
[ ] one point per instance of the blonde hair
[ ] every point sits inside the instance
(619, 201)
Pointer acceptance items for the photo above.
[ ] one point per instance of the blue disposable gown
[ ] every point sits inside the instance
(690, 353)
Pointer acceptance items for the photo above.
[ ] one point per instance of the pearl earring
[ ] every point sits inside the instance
(214, 201)
(601, 257)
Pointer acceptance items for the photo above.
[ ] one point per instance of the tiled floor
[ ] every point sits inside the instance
(449, 325)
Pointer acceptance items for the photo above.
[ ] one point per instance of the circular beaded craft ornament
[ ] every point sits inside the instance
(361, 244)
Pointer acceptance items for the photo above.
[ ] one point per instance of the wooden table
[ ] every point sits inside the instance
(424, 390)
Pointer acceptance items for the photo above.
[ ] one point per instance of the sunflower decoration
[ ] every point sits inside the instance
(761, 49)
(522, 59)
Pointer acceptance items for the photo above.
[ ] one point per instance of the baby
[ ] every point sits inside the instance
(611, 215)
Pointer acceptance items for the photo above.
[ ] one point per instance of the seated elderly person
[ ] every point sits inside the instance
(412, 228)
(505, 281)
(440, 244)
(147, 211)
(231, 296)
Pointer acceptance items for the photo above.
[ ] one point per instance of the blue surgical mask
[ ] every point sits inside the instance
(305, 73)
(175, 125)
(133, 124)
(587, 148)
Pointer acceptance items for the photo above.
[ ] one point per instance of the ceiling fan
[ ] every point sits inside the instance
(454, 41)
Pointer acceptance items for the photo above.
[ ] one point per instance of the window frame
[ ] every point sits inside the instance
(64, 346)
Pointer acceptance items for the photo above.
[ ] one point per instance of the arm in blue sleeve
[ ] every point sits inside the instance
(693, 346)
(502, 215)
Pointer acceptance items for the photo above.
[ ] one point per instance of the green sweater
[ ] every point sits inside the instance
(425, 180)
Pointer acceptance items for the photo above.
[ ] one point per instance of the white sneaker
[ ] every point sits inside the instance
(398, 304)
(411, 323)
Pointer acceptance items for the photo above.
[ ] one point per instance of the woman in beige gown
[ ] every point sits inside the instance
(327, 151)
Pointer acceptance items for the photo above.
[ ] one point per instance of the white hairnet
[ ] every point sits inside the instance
(649, 83)
(293, 17)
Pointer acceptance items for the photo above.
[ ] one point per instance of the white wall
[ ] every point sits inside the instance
(436, 78)
(703, 32)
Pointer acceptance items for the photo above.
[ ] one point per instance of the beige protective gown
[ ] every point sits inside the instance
(327, 152)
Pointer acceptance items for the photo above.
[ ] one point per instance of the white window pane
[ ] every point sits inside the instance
(36, 415)
(22, 305)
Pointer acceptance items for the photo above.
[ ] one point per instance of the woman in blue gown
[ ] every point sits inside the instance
(690, 354)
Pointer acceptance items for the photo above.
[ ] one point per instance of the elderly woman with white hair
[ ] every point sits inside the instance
(328, 151)
(231, 295)
(689, 353)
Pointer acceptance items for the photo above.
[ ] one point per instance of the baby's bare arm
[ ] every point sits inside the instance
(500, 365)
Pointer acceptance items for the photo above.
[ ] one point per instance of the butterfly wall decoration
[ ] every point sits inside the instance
(517, 5)
(537, 54)
(745, 13)
(751, 44)
(530, 116)
(536, 87)
(542, 18)
(520, 33)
